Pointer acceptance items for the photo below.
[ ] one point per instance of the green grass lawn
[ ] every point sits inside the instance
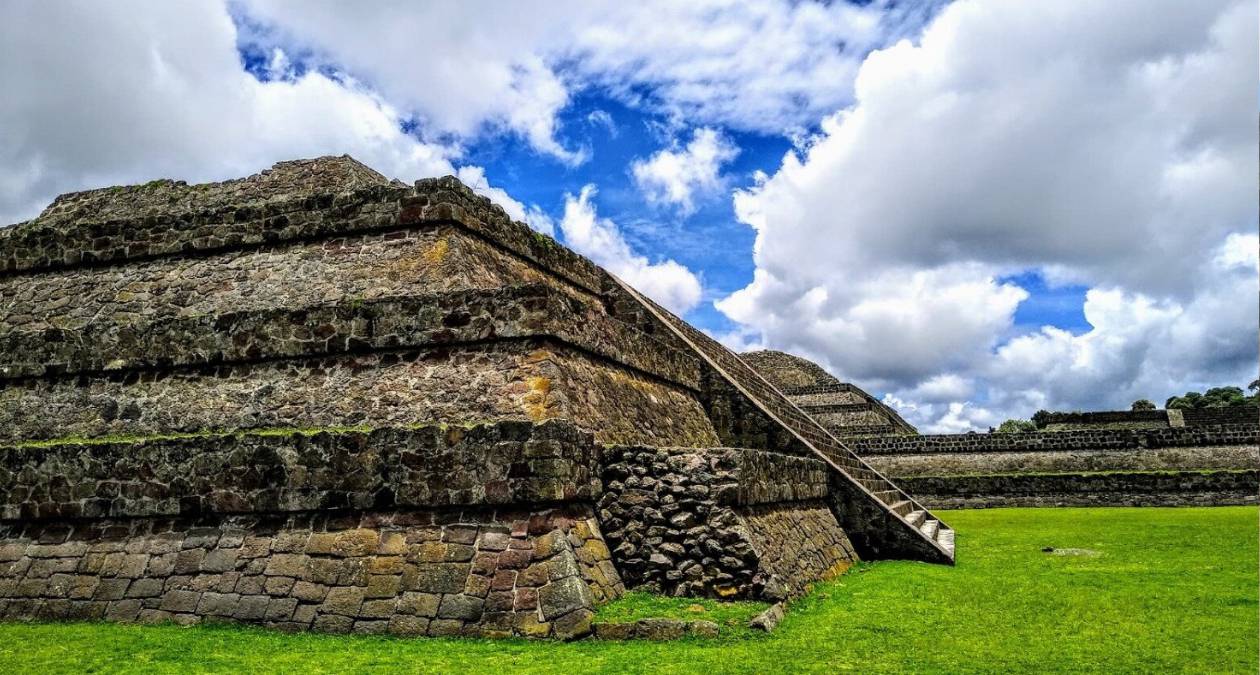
(1158, 590)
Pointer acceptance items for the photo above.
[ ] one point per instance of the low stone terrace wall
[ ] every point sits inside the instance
(486, 530)
(1192, 465)
(1057, 441)
(1142, 488)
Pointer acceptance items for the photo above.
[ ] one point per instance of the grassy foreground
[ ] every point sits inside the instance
(1145, 590)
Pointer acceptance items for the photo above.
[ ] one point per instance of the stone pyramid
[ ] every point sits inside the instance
(315, 398)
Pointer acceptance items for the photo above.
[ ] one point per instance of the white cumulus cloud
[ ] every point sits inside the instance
(1111, 145)
(667, 282)
(106, 93)
(679, 175)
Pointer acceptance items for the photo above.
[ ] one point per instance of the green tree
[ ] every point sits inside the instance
(1186, 401)
(1216, 397)
(1222, 397)
(1016, 426)
(1143, 404)
(1041, 418)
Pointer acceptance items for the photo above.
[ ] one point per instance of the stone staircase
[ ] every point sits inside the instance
(918, 535)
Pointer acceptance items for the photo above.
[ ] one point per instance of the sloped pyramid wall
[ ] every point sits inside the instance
(316, 398)
(329, 297)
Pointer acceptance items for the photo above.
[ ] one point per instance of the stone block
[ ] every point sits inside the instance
(287, 565)
(445, 627)
(614, 631)
(419, 604)
(189, 561)
(220, 560)
(441, 578)
(371, 627)
(180, 601)
(702, 629)
(251, 607)
(563, 596)
(281, 609)
(661, 629)
(378, 609)
(309, 592)
(217, 604)
(111, 589)
(145, 588)
(123, 610)
(332, 623)
(353, 543)
(408, 626)
(278, 586)
(382, 586)
(342, 600)
(573, 625)
(464, 607)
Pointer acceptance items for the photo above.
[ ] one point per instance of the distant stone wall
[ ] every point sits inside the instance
(1069, 461)
(725, 523)
(1082, 439)
(1115, 419)
(439, 531)
(1144, 488)
(1239, 414)
(1152, 419)
(1135, 467)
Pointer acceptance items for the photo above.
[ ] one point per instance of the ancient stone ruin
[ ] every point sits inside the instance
(316, 398)
(843, 408)
(1203, 457)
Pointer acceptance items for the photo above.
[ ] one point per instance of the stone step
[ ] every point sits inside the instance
(902, 508)
(888, 496)
(945, 537)
(916, 517)
(930, 528)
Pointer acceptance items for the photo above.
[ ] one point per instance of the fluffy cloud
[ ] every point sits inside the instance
(667, 282)
(769, 67)
(99, 94)
(678, 175)
(1018, 136)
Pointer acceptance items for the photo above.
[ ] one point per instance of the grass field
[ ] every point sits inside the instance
(1153, 590)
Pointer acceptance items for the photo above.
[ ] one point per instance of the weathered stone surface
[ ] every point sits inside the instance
(769, 619)
(720, 522)
(1139, 488)
(660, 629)
(507, 462)
(842, 408)
(324, 591)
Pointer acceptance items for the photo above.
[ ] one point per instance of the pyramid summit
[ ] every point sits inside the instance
(316, 398)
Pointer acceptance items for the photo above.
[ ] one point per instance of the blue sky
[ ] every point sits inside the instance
(973, 209)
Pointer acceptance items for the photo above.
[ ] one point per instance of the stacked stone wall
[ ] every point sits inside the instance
(1239, 414)
(436, 530)
(480, 572)
(515, 379)
(1188, 465)
(1068, 461)
(726, 523)
(1081, 439)
(1144, 488)
(503, 463)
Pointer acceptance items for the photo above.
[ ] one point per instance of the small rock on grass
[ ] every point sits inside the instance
(768, 619)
